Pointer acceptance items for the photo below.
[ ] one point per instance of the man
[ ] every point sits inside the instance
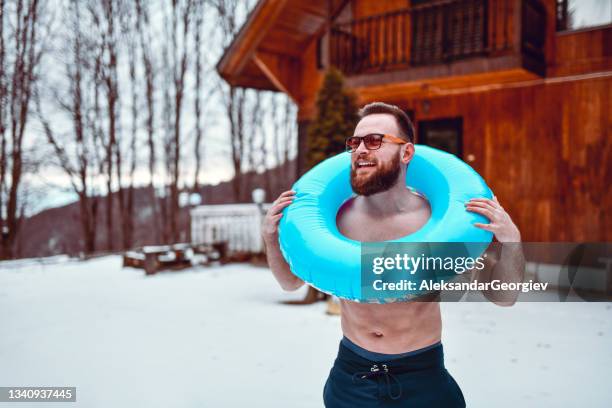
(391, 354)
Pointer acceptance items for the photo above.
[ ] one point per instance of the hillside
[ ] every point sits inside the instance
(58, 231)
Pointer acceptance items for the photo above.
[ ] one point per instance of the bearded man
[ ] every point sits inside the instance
(391, 354)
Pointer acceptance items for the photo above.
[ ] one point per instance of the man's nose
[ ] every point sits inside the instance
(361, 148)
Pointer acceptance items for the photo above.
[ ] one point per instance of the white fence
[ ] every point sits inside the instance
(238, 224)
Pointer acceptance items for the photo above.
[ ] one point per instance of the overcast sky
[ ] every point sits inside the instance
(217, 165)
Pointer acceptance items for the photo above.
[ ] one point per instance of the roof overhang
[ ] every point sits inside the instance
(239, 53)
(268, 49)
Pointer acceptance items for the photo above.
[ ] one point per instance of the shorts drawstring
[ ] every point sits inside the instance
(375, 372)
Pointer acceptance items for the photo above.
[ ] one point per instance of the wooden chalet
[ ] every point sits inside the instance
(516, 88)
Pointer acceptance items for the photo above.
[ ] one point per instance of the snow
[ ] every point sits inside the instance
(219, 337)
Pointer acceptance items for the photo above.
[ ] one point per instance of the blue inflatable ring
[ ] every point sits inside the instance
(327, 260)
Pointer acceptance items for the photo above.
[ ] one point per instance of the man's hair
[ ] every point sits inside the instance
(403, 121)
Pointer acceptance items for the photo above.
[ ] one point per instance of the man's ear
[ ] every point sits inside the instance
(408, 153)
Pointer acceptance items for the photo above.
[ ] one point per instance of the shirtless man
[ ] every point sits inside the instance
(390, 353)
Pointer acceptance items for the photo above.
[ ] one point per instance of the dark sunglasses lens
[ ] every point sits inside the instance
(352, 143)
(372, 141)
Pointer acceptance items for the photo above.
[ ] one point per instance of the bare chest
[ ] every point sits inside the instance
(365, 229)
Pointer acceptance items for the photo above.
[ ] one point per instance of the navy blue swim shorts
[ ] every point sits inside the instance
(361, 378)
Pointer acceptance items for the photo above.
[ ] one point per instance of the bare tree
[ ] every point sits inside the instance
(20, 27)
(236, 105)
(233, 98)
(112, 22)
(276, 136)
(103, 24)
(167, 126)
(143, 27)
(199, 66)
(256, 145)
(290, 138)
(127, 197)
(81, 163)
(249, 143)
(111, 82)
(179, 69)
(262, 163)
(123, 86)
(283, 134)
(175, 58)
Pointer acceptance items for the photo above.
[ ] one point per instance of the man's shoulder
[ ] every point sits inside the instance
(421, 203)
(347, 214)
(347, 210)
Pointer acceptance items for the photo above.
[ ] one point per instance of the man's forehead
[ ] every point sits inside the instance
(377, 123)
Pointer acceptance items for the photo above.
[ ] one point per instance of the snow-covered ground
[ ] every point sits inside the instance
(218, 337)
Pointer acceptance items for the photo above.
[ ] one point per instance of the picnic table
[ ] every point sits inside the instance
(178, 256)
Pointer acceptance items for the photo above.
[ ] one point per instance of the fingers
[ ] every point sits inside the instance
(284, 200)
(488, 227)
(482, 204)
(281, 203)
(494, 203)
(286, 194)
(493, 211)
(279, 207)
(486, 207)
(483, 201)
(270, 223)
(275, 213)
(486, 211)
(498, 204)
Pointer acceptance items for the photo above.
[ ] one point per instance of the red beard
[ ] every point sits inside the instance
(376, 181)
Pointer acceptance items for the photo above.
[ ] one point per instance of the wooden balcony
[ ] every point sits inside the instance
(442, 39)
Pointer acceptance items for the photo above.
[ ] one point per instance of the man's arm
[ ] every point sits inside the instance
(507, 267)
(280, 268)
(510, 265)
(269, 232)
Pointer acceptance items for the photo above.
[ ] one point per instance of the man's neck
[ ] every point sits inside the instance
(398, 199)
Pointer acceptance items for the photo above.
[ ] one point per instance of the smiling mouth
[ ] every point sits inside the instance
(362, 164)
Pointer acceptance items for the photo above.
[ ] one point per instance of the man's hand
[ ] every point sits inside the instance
(269, 229)
(500, 222)
(269, 232)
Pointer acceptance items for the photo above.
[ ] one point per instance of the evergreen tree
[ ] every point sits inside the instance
(335, 121)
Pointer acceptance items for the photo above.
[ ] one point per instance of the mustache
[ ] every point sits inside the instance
(370, 159)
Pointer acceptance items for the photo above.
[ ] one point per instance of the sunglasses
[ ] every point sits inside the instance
(372, 141)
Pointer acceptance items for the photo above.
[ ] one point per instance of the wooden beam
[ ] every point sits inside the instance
(254, 82)
(242, 48)
(282, 71)
(425, 73)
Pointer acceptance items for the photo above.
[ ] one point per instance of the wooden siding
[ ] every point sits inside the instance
(544, 149)
(581, 51)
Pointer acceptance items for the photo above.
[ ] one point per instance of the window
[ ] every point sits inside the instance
(576, 14)
(444, 134)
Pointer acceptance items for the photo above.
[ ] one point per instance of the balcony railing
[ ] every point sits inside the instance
(435, 33)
